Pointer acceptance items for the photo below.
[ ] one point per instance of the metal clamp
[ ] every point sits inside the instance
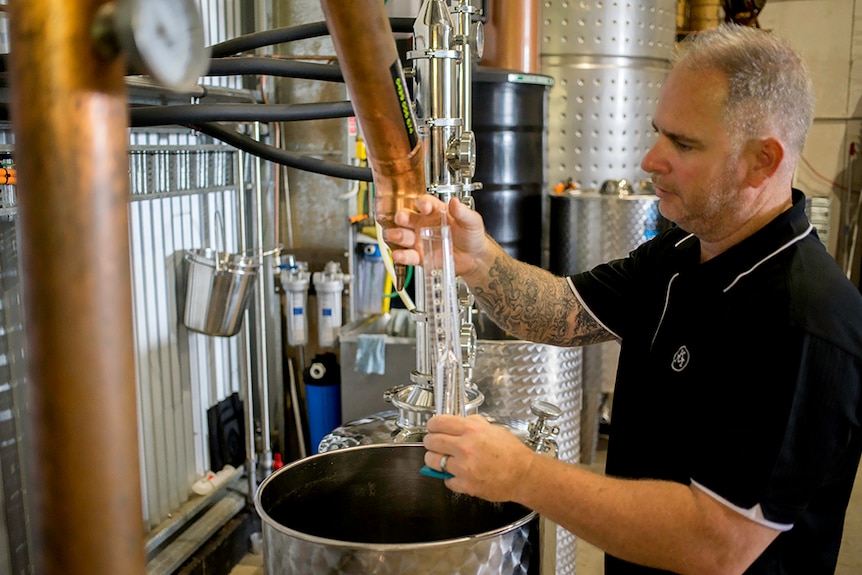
(541, 433)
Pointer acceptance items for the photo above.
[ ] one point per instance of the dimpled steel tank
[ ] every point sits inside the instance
(364, 510)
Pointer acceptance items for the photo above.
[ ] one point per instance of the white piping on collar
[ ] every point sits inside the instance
(782, 248)
(679, 243)
(664, 310)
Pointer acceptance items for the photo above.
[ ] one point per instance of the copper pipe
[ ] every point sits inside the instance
(69, 119)
(512, 35)
(369, 61)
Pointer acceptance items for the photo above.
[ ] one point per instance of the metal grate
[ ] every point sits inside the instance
(159, 171)
(172, 170)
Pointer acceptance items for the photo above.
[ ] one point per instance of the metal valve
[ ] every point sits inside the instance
(541, 433)
(461, 153)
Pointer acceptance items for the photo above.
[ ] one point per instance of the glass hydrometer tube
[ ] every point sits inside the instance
(443, 319)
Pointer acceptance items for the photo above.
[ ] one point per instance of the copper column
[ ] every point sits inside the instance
(369, 61)
(68, 111)
(512, 35)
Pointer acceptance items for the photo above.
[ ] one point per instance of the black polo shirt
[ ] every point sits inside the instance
(742, 374)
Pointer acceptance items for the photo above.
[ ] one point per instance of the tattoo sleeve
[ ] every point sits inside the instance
(533, 304)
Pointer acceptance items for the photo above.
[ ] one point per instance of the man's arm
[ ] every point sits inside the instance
(531, 303)
(660, 524)
(525, 300)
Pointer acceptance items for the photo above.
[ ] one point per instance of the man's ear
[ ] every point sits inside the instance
(765, 156)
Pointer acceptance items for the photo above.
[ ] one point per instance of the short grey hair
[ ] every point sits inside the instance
(769, 86)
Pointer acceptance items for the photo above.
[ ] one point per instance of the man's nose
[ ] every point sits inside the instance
(652, 161)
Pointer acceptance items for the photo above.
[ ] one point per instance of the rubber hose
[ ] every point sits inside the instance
(283, 157)
(281, 35)
(195, 113)
(268, 38)
(274, 67)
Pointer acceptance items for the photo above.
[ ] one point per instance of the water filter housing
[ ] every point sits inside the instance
(295, 279)
(329, 285)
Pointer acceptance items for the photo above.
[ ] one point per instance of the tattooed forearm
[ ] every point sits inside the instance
(533, 304)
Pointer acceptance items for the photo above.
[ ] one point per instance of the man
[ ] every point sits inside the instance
(736, 434)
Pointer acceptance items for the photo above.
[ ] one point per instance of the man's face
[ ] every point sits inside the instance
(694, 164)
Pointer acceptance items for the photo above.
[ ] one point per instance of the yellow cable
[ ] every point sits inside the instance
(362, 157)
(387, 290)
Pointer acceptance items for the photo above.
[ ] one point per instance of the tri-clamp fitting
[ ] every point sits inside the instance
(541, 432)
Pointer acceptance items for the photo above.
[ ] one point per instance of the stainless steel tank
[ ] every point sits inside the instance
(588, 228)
(608, 61)
(367, 510)
(512, 375)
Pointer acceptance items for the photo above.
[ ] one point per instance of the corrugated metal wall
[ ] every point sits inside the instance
(178, 188)
(14, 520)
(179, 183)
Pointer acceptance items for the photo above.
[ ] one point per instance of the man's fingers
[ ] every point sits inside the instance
(399, 236)
(406, 257)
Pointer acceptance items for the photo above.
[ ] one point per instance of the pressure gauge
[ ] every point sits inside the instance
(161, 38)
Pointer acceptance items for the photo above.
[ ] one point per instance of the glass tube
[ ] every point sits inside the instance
(444, 320)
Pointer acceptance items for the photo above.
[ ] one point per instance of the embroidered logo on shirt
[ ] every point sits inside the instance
(680, 359)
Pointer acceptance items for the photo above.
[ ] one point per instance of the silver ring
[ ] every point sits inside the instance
(443, 461)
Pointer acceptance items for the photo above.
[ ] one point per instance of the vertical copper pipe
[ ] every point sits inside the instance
(70, 125)
(369, 61)
(512, 35)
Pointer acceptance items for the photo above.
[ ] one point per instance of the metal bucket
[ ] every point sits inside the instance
(218, 289)
(368, 509)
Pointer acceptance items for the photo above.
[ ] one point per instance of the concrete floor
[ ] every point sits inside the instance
(250, 565)
(590, 560)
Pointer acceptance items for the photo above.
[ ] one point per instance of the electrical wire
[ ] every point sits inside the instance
(820, 176)
(387, 294)
(854, 237)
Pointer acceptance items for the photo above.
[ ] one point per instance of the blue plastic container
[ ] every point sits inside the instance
(323, 397)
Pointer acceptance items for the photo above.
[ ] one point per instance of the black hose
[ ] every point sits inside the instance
(283, 157)
(268, 38)
(145, 116)
(274, 67)
(280, 35)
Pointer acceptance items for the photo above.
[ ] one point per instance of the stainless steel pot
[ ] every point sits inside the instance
(219, 286)
(365, 510)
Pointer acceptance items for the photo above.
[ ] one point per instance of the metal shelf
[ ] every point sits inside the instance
(173, 170)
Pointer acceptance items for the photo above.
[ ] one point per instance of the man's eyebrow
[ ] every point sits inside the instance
(681, 138)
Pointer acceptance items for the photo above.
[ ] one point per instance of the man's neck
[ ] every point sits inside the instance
(760, 217)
